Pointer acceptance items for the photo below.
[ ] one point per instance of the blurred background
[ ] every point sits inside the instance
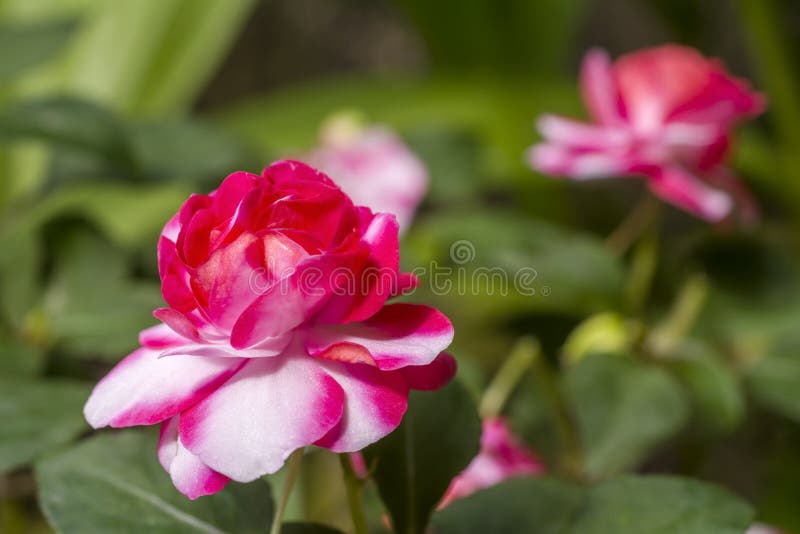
(112, 112)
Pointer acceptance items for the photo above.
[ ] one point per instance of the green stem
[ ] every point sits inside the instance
(566, 427)
(687, 307)
(640, 218)
(293, 470)
(642, 271)
(507, 378)
(353, 486)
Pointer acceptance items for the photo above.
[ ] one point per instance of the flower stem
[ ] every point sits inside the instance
(640, 218)
(566, 426)
(502, 385)
(294, 469)
(353, 485)
(666, 337)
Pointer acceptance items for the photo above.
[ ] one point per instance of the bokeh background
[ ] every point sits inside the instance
(112, 112)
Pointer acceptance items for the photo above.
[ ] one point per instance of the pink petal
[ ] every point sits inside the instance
(678, 187)
(143, 389)
(375, 402)
(286, 304)
(560, 160)
(178, 323)
(580, 134)
(598, 88)
(271, 407)
(190, 476)
(432, 376)
(375, 281)
(160, 337)
(397, 336)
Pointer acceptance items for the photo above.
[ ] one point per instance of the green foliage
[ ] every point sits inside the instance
(113, 482)
(625, 505)
(414, 465)
(623, 409)
(37, 416)
(25, 46)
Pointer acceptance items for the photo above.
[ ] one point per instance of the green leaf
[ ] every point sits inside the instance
(20, 274)
(72, 123)
(19, 359)
(623, 410)
(37, 416)
(512, 263)
(129, 215)
(626, 505)
(775, 379)
(92, 307)
(713, 385)
(308, 528)
(24, 46)
(439, 436)
(114, 483)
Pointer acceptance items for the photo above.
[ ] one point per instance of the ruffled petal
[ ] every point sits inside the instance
(598, 88)
(271, 407)
(143, 389)
(190, 476)
(375, 402)
(432, 376)
(397, 336)
(678, 187)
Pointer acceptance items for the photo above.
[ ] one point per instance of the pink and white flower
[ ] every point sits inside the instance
(501, 457)
(372, 165)
(277, 333)
(665, 113)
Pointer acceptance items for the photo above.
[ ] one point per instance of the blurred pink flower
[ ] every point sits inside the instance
(372, 165)
(501, 457)
(665, 113)
(762, 529)
(277, 335)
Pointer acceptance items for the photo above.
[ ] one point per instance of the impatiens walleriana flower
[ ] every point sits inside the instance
(665, 113)
(501, 457)
(373, 166)
(277, 335)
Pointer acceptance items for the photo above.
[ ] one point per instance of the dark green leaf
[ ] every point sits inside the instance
(72, 123)
(92, 307)
(308, 528)
(19, 359)
(439, 436)
(775, 379)
(22, 47)
(623, 410)
(36, 416)
(114, 483)
(626, 505)
(713, 385)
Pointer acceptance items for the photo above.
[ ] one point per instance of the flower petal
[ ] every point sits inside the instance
(143, 389)
(375, 402)
(432, 376)
(397, 336)
(190, 476)
(271, 407)
(598, 88)
(676, 186)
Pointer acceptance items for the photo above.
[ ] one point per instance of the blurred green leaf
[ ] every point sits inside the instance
(19, 359)
(130, 215)
(308, 528)
(713, 385)
(92, 307)
(623, 410)
(499, 114)
(512, 263)
(25, 46)
(20, 274)
(37, 416)
(77, 124)
(775, 379)
(114, 483)
(516, 35)
(189, 149)
(439, 436)
(625, 505)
